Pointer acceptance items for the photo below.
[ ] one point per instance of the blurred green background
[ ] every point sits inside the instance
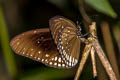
(17, 16)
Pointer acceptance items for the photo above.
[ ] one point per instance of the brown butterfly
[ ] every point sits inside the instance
(39, 44)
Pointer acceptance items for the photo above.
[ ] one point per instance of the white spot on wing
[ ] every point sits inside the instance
(62, 26)
(38, 58)
(63, 65)
(47, 55)
(42, 60)
(76, 61)
(50, 63)
(55, 58)
(35, 57)
(62, 47)
(38, 42)
(68, 30)
(42, 37)
(52, 59)
(69, 63)
(59, 59)
(70, 59)
(35, 31)
(73, 60)
(59, 65)
(55, 63)
(39, 52)
(46, 60)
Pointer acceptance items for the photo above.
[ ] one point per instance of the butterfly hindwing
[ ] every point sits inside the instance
(38, 45)
(64, 33)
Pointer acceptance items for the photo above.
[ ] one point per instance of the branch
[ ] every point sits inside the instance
(105, 28)
(83, 60)
(83, 12)
(93, 62)
(104, 60)
(100, 53)
(93, 42)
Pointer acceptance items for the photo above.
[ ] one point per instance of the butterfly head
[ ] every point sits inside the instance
(79, 29)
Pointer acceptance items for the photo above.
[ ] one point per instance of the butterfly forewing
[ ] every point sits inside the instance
(38, 45)
(64, 33)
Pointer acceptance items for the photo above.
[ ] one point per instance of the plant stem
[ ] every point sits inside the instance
(8, 55)
(83, 60)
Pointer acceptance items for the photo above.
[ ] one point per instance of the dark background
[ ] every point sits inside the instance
(24, 15)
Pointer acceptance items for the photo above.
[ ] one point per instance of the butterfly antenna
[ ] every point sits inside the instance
(78, 25)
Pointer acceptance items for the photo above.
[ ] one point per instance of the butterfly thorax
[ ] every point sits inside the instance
(79, 34)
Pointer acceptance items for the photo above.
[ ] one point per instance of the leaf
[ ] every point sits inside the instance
(102, 6)
(8, 55)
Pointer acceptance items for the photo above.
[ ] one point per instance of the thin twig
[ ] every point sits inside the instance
(105, 27)
(116, 31)
(104, 60)
(94, 42)
(83, 60)
(101, 54)
(83, 12)
(93, 62)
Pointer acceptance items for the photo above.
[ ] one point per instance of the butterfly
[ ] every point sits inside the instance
(57, 46)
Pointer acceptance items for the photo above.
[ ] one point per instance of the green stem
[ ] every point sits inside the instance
(8, 55)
